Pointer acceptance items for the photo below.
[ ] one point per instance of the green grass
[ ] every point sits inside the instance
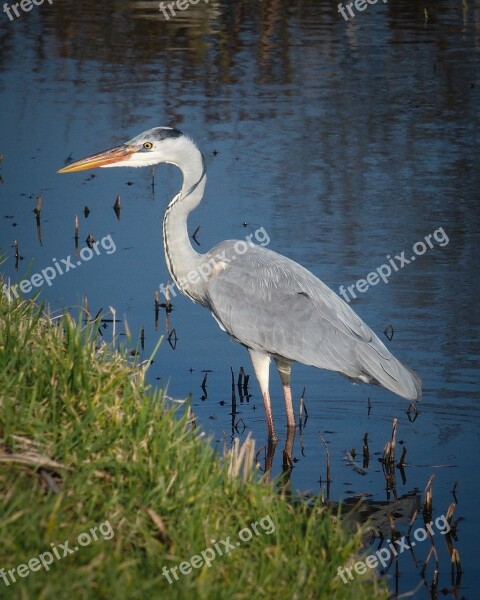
(83, 440)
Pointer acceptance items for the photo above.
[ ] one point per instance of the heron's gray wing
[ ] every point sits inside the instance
(272, 304)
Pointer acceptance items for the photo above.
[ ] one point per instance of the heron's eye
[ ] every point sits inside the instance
(148, 145)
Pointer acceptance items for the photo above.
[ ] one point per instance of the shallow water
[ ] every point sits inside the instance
(346, 141)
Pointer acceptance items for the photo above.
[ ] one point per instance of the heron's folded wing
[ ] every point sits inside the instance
(267, 301)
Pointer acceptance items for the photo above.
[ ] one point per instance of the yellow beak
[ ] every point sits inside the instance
(107, 157)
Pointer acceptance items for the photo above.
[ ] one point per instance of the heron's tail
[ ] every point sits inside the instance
(380, 367)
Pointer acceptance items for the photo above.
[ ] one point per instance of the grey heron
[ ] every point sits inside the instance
(268, 303)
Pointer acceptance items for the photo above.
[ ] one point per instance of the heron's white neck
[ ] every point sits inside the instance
(182, 260)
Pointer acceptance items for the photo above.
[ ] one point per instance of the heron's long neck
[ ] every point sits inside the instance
(182, 260)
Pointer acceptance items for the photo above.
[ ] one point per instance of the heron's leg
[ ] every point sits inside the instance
(261, 366)
(285, 369)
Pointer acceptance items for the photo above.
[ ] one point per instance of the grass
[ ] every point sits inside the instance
(84, 441)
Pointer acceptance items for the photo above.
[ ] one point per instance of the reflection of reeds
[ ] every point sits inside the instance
(388, 461)
(76, 235)
(37, 210)
(456, 564)
(157, 310)
(204, 387)
(17, 255)
(194, 235)
(117, 208)
(389, 332)
(303, 407)
(396, 513)
(328, 465)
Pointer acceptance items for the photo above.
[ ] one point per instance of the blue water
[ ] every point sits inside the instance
(346, 141)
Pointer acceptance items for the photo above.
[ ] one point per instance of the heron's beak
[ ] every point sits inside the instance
(101, 159)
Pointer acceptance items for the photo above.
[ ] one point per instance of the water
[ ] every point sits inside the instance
(346, 141)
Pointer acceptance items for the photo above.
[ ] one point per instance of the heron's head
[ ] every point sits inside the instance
(158, 145)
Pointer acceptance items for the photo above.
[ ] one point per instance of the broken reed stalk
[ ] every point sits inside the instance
(234, 396)
(241, 375)
(192, 421)
(87, 310)
(427, 506)
(167, 297)
(204, 384)
(303, 407)
(450, 511)
(389, 450)
(454, 490)
(394, 436)
(240, 459)
(366, 451)
(328, 458)
(38, 207)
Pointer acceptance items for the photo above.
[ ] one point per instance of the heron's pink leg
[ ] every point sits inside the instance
(261, 366)
(285, 369)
